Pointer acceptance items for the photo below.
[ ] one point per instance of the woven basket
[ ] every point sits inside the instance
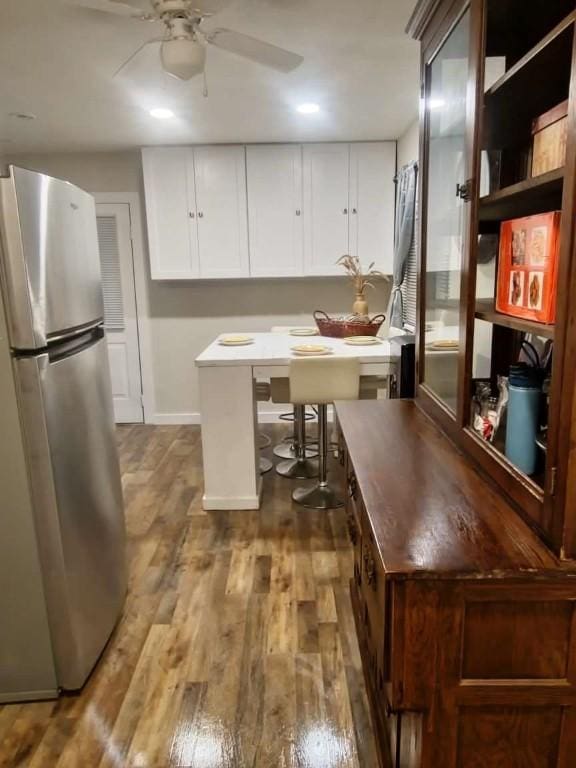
(339, 329)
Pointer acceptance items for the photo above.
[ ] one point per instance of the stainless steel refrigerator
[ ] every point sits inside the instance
(61, 517)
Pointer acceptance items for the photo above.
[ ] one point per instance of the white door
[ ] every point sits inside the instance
(326, 205)
(170, 212)
(120, 319)
(221, 214)
(372, 171)
(274, 180)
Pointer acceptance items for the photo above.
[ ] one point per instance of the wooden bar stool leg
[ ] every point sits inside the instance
(320, 496)
(300, 468)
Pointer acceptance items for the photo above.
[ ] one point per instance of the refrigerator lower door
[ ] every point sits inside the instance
(66, 407)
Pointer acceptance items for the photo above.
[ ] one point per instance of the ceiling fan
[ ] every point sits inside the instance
(184, 43)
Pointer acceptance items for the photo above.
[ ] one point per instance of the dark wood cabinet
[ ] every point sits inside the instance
(466, 620)
(489, 69)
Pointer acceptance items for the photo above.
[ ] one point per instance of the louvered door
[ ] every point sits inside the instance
(120, 319)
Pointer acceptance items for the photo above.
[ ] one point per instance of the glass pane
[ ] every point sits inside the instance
(446, 213)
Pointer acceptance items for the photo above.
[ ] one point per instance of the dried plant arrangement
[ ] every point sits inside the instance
(362, 281)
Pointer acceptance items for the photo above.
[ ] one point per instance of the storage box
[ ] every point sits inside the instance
(527, 267)
(549, 132)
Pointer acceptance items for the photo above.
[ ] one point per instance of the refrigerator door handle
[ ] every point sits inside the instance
(57, 338)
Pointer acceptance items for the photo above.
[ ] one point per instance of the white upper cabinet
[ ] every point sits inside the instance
(326, 204)
(275, 210)
(170, 208)
(221, 213)
(372, 171)
(274, 174)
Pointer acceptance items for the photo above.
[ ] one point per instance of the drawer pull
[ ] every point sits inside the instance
(352, 487)
(352, 530)
(369, 567)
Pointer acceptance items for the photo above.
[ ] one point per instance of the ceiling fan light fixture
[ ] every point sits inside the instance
(183, 58)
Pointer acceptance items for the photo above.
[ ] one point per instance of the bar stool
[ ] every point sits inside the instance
(288, 448)
(319, 381)
(263, 392)
(301, 466)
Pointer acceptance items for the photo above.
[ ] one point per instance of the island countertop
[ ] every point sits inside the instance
(269, 349)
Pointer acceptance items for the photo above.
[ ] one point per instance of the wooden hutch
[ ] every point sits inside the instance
(464, 585)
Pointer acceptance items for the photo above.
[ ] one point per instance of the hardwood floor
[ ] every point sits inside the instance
(237, 647)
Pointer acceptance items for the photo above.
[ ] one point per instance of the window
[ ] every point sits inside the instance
(409, 288)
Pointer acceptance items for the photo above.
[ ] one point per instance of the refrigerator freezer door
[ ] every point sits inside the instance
(50, 261)
(66, 406)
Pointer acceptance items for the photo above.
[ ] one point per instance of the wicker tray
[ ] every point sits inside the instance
(339, 329)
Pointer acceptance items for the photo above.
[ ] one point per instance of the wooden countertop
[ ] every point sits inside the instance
(432, 514)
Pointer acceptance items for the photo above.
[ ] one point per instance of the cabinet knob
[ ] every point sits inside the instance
(192, 214)
(200, 215)
(354, 211)
(345, 211)
(298, 212)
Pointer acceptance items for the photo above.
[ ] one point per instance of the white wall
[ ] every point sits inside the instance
(185, 316)
(408, 144)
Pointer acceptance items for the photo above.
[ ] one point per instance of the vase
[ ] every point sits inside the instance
(360, 306)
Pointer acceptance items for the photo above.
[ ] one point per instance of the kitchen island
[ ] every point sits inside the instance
(229, 413)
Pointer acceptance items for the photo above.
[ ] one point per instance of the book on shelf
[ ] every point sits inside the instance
(527, 267)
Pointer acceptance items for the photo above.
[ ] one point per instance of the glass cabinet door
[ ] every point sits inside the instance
(446, 214)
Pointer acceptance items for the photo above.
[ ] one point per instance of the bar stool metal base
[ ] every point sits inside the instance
(288, 451)
(317, 497)
(265, 465)
(264, 441)
(298, 469)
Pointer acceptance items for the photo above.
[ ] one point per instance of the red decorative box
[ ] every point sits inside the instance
(527, 268)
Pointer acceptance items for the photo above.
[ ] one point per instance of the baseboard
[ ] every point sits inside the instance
(264, 417)
(174, 418)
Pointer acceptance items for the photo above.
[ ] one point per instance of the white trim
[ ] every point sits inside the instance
(241, 503)
(132, 199)
(174, 418)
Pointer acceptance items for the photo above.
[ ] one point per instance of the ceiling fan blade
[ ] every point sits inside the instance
(254, 49)
(114, 7)
(209, 7)
(136, 52)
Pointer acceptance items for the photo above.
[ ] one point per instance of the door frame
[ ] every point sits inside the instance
(132, 200)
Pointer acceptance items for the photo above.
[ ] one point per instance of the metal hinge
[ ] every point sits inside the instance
(464, 191)
(553, 480)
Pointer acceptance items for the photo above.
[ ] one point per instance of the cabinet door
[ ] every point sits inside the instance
(220, 174)
(170, 212)
(372, 170)
(326, 181)
(275, 210)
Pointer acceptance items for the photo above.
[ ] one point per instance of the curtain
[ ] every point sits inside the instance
(404, 235)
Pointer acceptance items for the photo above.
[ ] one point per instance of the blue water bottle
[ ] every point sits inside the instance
(525, 391)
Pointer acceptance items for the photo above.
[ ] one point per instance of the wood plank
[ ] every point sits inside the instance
(205, 665)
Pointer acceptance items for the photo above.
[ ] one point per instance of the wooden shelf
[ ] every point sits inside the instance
(485, 311)
(535, 84)
(532, 53)
(536, 195)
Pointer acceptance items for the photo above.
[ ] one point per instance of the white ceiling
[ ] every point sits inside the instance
(57, 62)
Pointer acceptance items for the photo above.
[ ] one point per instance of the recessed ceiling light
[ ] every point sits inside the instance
(309, 108)
(160, 113)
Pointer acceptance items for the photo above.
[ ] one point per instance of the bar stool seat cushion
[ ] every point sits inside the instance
(320, 380)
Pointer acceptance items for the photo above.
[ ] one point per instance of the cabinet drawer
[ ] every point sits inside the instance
(374, 587)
